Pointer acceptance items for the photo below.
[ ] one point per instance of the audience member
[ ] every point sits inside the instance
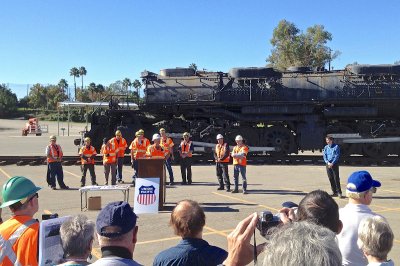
(359, 190)
(117, 233)
(320, 208)
(375, 239)
(302, 243)
(77, 234)
(19, 234)
(188, 220)
(299, 243)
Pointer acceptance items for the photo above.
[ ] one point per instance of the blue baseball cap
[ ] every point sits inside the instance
(117, 214)
(361, 181)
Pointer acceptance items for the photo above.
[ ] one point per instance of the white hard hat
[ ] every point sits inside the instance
(156, 136)
(238, 137)
(219, 136)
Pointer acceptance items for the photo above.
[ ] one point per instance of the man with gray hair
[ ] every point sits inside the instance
(360, 188)
(117, 233)
(77, 234)
(375, 239)
(298, 243)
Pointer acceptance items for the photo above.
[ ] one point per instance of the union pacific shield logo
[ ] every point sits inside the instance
(146, 195)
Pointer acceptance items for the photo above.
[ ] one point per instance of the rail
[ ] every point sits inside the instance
(201, 159)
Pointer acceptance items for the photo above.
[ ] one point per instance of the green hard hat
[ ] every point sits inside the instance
(16, 189)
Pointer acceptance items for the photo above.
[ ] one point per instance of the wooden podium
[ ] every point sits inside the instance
(154, 168)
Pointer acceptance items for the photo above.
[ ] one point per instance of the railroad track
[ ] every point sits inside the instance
(200, 159)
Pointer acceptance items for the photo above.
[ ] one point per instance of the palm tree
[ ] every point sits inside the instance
(75, 73)
(63, 85)
(193, 66)
(92, 88)
(137, 85)
(126, 83)
(82, 72)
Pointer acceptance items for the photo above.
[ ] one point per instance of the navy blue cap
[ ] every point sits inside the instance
(361, 181)
(289, 204)
(117, 214)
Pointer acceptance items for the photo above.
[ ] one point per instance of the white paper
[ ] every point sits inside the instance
(50, 249)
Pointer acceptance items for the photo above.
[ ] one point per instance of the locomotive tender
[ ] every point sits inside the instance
(286, 112)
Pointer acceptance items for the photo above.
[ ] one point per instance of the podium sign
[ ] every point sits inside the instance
(151, 168)
(147, 193)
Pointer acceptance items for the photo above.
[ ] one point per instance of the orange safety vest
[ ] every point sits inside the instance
(108, 149)
(155, 153)
(220, 152)
(121, 144)
(243, 150)
(185, 148)
(167, 144)
(19, 241)
(55, 153)
(139, 149)
(87, 152)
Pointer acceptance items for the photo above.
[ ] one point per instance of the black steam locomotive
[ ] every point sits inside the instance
(277, 113)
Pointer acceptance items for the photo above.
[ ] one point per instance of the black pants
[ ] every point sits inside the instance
(223, 174)
(120, 163)
(85, 167)
(186, 169)
(334, 179)
(55, 169)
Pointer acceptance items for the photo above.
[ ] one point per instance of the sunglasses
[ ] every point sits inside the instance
(373, 189)
(36, 195)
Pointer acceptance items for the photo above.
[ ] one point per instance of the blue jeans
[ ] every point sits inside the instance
(242, 170)
(168, 163)
(55, 169)
(120, 163)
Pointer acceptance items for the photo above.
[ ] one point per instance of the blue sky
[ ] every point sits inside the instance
(42, 40)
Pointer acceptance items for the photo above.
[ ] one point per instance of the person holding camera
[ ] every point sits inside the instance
(87, 154)
(19, 235)
(239, 154)
(109, 151)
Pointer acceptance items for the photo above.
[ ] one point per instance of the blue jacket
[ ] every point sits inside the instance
(191, 252)
(331, 153)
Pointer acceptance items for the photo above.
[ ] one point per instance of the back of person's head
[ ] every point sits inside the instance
(359, 184)
(320, 208)
(302, 243)
(188, 219)
(375, 237)
(77, 234)
(116, 225)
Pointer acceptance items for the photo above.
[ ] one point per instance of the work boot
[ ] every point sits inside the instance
(220, 188)
(82, 184)
(235, 191)
(228, 189)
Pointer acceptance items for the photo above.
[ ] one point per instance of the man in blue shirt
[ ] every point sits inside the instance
(188, 220)
(331, 155)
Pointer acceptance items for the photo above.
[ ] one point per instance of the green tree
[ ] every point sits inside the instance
(38, 96)
(75, 73)
(100, 90)
(82, 72)
(294, 48)
(137, 85)
(92, 88)
(8, 101)
(193, 66)
(63, 85)
(53, 96)
(126, 84)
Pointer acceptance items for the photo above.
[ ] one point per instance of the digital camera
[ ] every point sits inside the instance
(266, 220)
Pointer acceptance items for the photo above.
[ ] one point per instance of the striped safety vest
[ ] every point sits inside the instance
(91, 151)
(139, 150)
(242, 150)
(9, 252)
(55, 153)
(155, 153)
(108, 149)
(220, 151)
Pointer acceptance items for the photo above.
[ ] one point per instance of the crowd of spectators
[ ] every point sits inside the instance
(315, 233)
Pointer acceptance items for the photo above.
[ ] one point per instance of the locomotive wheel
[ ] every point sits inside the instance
(279, 137)
(376, 150)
